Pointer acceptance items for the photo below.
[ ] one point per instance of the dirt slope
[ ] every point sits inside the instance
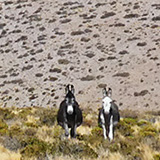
(46, 44)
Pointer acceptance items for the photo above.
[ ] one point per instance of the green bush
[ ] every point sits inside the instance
(3, 127)
(34, 147)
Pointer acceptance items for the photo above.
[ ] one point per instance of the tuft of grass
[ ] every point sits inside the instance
(129, 114)
(75, 149)
(49, 134)
(6, 154)
(47, 116)
(6, 114)
(143, 122)
(84, 130)
(3, 127)
(34, 147)
(146, 152)
(148, 130)
(16, 130)
(125, 127)
(156, 156)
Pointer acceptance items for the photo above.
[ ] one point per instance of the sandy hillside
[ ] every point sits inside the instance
(46, 44)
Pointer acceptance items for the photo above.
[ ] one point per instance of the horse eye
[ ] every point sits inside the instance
(72, 100)
(67, 100)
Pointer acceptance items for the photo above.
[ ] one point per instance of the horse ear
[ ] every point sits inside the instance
(109, 92)
(67, 89)
(104, 92)
(72, 89)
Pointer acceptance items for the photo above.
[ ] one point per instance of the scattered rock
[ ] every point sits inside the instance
(35, 17)
(28, 67)
(100, 77)
(131, 15)
(53, 79)
(31, 89)
(88, 30)
(141, 44)
(63, 61)
(65, 21)
(2, 25)
(38, 74)
(32, 97)
(42, 37)
(100, 4)
(142, 93)
(52, 20)
(67, 46)
(111, 58)
(8, 2)
(102, 85)
(22, 38)
(107, 14)
(96, 35)
(57, 70)
(124, 74)
(15, 81)
(42, 28)
(88, 78)
(101, 59)
(156, 18)
(119, 25)
(75, 33)
(123, 52)
(86, 16)
(14, 74)
(85, 39)
(3, 76)
(133, 39)
(90, 55)
(136, 6)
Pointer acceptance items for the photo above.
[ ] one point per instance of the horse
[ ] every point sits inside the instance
(69, 114)
(109, 115)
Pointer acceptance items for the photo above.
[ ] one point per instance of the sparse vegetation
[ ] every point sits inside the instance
(33, 133)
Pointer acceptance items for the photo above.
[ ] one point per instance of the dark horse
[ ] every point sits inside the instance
(69, 114)
(108, 115)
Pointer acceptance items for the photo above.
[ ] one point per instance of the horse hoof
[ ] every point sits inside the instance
(67, 134)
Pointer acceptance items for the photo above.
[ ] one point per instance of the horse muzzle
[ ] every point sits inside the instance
(70, 109)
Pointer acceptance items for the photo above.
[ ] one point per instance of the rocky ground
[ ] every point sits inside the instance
(46, 44)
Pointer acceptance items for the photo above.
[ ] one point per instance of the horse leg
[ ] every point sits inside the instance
(111, 129)
(73, 131)
(66, 129)
(104, 131)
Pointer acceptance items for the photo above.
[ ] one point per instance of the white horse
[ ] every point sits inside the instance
(108, 115)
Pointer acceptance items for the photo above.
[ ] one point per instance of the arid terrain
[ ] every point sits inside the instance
(46, 44)
(32, 133)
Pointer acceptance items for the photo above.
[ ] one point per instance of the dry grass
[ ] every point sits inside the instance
(6, 154)
(84, 130)
(147, 152)
(32, 119)
(33, 133)
(157, 124)
(115, 156)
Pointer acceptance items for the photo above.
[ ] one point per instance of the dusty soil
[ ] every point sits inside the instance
(46, 44)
